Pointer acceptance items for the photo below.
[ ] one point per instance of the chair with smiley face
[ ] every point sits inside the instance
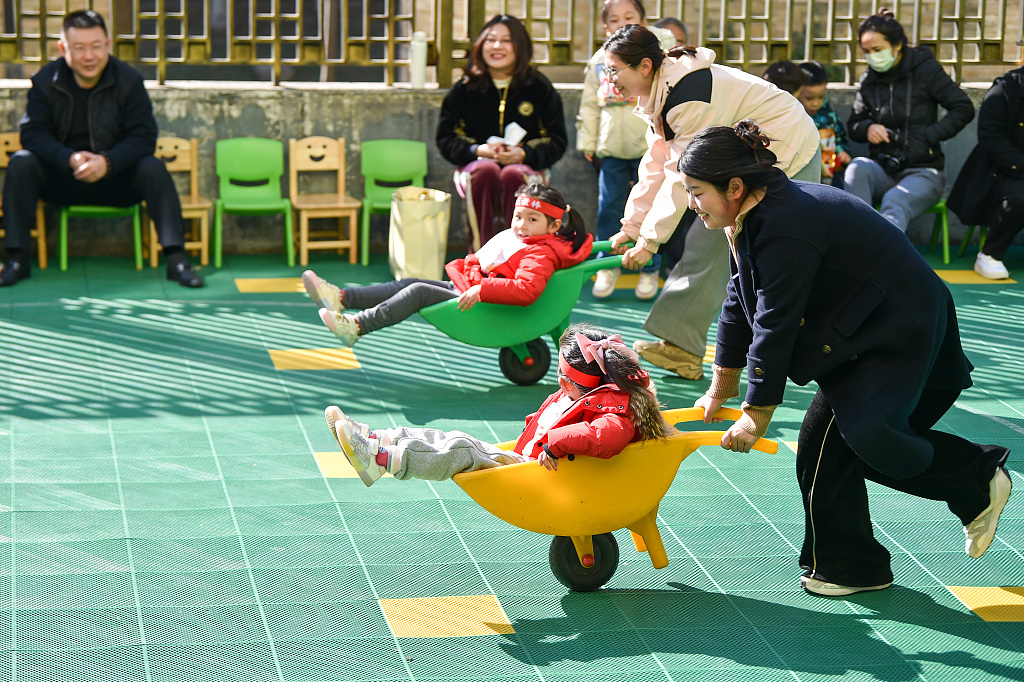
(9, 144)
(321, 163)
(182, 157)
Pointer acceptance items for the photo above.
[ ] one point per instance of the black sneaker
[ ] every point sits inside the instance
(14, 270)
(182, 273)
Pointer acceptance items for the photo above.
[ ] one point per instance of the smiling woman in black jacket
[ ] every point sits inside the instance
(847, 302)
(500, 87)
(896, 113)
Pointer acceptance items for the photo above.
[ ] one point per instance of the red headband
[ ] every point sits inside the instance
(544, 207)
(576, 376)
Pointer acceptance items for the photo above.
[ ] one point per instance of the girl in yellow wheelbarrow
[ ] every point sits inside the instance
(512, 268)
(604, 402)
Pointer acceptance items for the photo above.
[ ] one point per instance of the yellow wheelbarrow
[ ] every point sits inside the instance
(587, 498)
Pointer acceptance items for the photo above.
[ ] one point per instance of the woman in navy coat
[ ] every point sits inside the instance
(824, 289)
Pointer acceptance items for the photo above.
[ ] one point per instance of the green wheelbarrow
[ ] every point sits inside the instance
(524, 358)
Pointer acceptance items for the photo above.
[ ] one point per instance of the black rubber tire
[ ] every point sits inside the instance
(570, 572)
(518, 373)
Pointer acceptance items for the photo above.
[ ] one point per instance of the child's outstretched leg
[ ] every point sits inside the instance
(354, 439)
(435, 455)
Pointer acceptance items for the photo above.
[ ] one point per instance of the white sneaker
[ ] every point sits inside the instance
(647, 286)
(342, 325)
(818, 585)
(982, 530)
(605, 284)
(990, 268)
(323, 293)
(360, 450)
(334, 416)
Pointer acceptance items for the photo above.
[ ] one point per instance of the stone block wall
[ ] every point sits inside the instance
(210, 111)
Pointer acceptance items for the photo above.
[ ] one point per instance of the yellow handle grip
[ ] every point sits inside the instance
(692, 414)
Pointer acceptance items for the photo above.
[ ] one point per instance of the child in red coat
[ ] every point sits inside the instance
(512, 268)
(604, 402)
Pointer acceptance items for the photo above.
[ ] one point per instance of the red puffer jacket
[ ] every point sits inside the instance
(597, 425)
(521, 279)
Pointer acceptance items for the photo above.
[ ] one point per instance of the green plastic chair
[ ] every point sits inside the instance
(133, 212)
(941, 227)
(397, 163)
(524, 358)
(249, 171)
(982, 236)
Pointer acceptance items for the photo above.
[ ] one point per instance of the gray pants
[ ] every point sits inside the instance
(903, 198)
(435, 455)
(693, 293)
(388, 303)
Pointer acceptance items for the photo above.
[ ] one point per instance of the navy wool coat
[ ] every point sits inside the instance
(825, 289)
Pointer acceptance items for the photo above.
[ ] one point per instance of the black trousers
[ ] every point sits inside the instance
(839, 544)
(1009, 217)
(29, 180)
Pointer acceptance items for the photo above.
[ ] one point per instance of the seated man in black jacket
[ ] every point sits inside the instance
(88, 137)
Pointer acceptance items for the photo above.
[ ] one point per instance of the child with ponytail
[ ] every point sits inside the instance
(604, 402)
(512, 268)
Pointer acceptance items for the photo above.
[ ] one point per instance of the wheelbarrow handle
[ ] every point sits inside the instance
(692, 414)
(606, 246)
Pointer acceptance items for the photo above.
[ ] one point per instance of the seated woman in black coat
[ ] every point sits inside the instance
(990, 188)
(846, 301)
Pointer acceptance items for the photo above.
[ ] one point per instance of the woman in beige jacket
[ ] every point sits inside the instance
(680, 94)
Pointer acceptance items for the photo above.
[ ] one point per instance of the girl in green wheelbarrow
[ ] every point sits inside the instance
(604, 402)
(512, 268)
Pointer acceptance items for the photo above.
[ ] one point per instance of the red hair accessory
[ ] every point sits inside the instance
(576, 376)
(641, 377)
(544, 207)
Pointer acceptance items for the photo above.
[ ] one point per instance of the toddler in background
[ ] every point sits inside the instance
(678, 29)
(607, 129)
(620, 407)
(835, 150)
(787, 76)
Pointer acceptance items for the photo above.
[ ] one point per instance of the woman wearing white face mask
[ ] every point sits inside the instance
(896, 113)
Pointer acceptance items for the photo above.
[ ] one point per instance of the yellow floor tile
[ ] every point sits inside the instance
(791, 444)
(335, 465)
(460, 616)
(994, 604)
(969, 277)
(270, 285)
(709, 353)
(314, 358)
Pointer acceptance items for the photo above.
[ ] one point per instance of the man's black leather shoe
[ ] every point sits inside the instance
(182, 273)
(14, 271)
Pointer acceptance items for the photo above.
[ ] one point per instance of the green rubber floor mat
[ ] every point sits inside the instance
(174, 509)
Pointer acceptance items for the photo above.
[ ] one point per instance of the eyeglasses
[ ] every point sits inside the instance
(613, 74)
(499, 41)
(95, 48)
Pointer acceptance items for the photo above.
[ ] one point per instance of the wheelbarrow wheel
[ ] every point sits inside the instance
(566, 566)
(526, 374)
